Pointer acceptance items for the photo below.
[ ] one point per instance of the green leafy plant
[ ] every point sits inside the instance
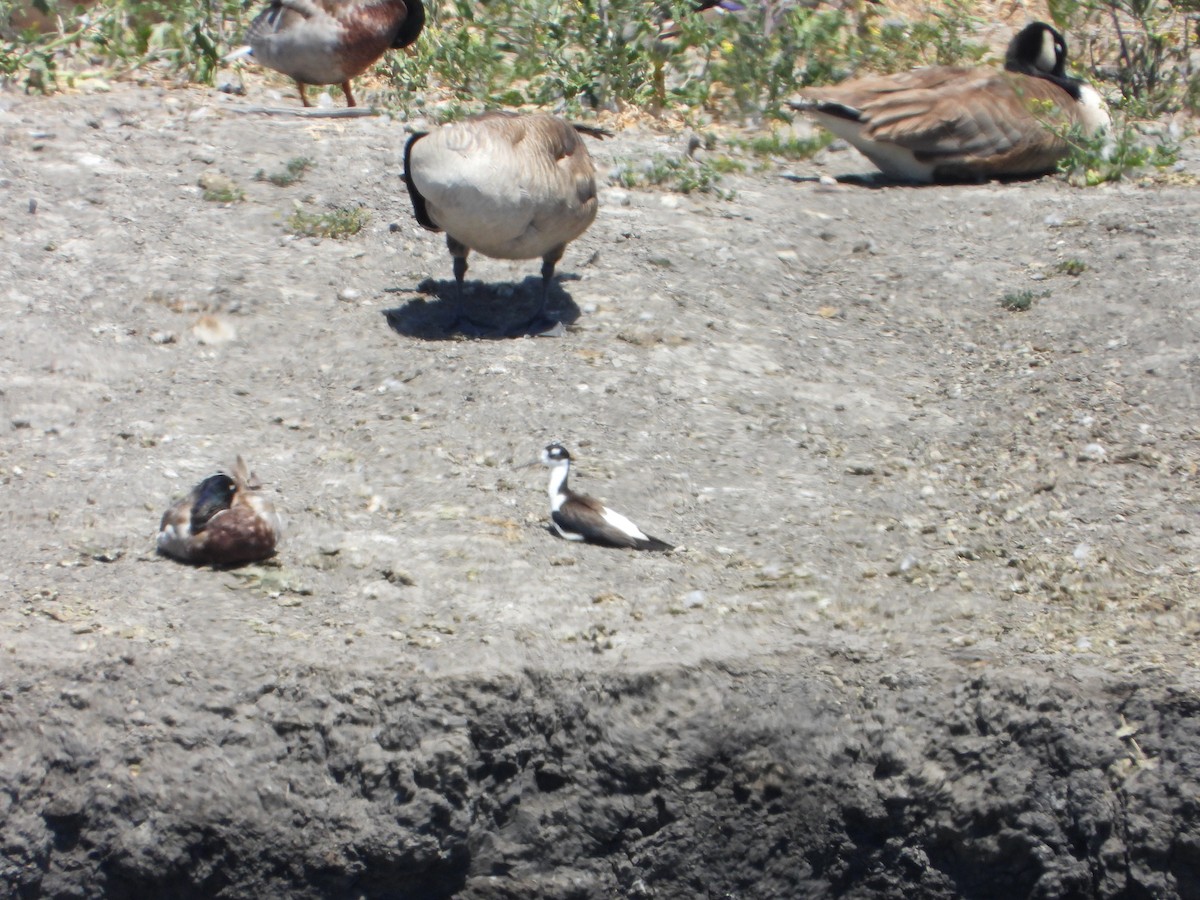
(1021, 301)
(1114, 154)
(1139, 46)
(337, 223)
(185, 39)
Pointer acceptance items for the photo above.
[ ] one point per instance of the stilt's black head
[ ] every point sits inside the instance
(555, 454)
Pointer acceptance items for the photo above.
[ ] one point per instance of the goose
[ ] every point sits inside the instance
(577, 517)
(506, 185)
(329, 41)
(953, 123)
(224, 520)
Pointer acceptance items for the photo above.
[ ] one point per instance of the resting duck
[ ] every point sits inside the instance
(578, 517)
(329, 41)
(509, 186)
(223, 521)
(952, 123)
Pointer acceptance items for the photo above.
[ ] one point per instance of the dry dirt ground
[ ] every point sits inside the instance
(930, 630)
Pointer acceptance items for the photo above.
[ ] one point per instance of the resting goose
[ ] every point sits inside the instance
(952, 123)
(330, 41)
(508, 186)
(225, 520)
(578, 517)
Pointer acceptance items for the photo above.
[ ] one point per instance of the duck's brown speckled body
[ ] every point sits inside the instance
(225, 520)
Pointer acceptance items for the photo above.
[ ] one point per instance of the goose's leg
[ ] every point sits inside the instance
(461, 320)
(540, 323)
(303, 96)
(349, 95)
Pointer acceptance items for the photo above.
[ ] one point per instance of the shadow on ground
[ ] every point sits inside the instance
(488, 310)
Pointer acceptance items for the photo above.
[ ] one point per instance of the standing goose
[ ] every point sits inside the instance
(952, 123)
(508, 186)
(330, 41)
(223, 521)
(578, 517)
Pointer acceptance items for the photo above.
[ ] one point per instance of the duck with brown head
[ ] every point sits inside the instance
(330, 41)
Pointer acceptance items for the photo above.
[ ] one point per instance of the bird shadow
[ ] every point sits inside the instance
(488, 311)
(879, 180)
(865, 180)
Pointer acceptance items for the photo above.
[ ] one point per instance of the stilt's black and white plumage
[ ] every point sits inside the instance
(953, 123)
(578, 517)
(506, 185)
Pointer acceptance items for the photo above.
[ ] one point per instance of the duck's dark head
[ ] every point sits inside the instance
(213, 494)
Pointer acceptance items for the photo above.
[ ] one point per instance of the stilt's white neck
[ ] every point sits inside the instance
(558, 479)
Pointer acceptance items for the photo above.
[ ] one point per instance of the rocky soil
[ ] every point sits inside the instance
(930, 631)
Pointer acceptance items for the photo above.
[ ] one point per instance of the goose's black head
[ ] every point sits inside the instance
(1037, 49)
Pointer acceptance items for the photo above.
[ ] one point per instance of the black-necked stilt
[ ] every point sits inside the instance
(223, 520)
(329, 41)
(953, 123)
(578, 517)
(506, 185)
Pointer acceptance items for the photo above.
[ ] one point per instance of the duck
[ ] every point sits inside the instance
(224, 520)
(956, 123)
(329, 41)
(507, 185)
(578, 517)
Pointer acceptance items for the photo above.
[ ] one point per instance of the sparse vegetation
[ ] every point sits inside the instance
(608, 54)
(337, 223)
(224, 194)
(680, 174)
(292, 172)
(220, 188)
(1141, 47)
(1072, 267)
(1114, 154)
(46, 42)
(1021, 301)
(785, 146)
